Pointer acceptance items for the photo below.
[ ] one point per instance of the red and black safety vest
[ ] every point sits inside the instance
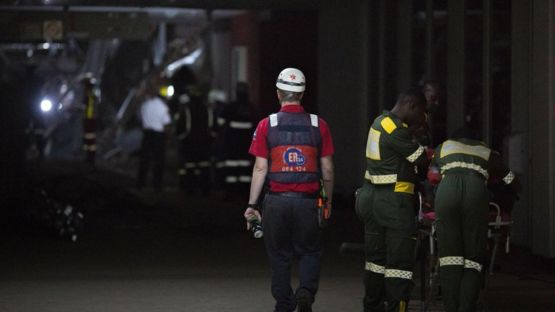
(294, 142)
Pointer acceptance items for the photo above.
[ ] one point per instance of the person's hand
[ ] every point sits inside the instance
(328, 214)
(248, 215)
(429, 153)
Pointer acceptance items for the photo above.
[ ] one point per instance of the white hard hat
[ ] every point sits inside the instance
(291, 79)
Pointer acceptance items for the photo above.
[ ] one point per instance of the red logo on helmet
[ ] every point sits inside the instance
(293, 77)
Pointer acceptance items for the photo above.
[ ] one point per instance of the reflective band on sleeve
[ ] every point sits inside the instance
(90, 148)
(412, 158)
(245, 179)
(459, 164)
(273, 120)
(231, 179)
(234, 163)
(469, 264)
(392, 273)
(404, 187)
(240, 125)
(451, 261)
(381, 179)
(314, 120)
(92, 135)
(509, 177)
(372, 267)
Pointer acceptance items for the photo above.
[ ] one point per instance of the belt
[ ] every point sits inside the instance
(295, 194)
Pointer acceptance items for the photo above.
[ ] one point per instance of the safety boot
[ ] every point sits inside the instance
(304, 300)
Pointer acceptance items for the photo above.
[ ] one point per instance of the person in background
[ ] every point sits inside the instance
(156, 122)
(236, 128)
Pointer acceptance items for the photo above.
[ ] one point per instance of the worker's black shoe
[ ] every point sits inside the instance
(304, 300)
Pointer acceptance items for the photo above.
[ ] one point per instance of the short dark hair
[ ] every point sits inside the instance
(289, 96)
(414, 93)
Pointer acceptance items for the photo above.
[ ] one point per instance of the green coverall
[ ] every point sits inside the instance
(386, 205)
(461, 205)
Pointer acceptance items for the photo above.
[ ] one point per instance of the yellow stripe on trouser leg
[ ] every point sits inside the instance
(402, 306)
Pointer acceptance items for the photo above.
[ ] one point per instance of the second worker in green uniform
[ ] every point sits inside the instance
(461, 206)
(386, 203)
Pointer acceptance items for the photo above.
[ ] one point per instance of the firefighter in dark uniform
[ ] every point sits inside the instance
(462, 206)
(90, 102)
(386, 203)
(194, 123)
(293, 151)
(236, 128)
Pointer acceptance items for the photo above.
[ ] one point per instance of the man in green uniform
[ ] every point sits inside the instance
(461, 205)
(386, 203)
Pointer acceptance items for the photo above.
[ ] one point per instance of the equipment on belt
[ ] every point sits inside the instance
(324, 211)
(291, 79)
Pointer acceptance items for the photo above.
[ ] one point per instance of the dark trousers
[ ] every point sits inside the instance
(291, 230)
(195, 169)
(153, 152)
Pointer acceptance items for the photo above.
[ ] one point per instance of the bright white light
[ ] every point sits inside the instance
(188, 60)
(171, 91)
(46, 46)
(46, 105)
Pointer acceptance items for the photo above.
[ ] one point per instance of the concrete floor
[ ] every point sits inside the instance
(167, 252)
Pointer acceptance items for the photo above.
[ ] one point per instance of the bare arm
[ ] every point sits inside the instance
(259, 172)
(326, 164)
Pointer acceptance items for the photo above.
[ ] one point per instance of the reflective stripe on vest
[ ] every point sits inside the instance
(465, 165)
(380, 179)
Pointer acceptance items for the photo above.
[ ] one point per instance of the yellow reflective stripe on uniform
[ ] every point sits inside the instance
(509, 177)
(443, 261)
(372, 267)
(90, 106)
(460, 164)
(469, 264)
(373, 145)
(404, 187)
(381, 179)
(453, 147)
(240, 125)
(388, 125)
(414, 156)
(392, 273)
(402, 306)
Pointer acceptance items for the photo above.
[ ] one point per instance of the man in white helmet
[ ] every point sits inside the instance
(293, 151)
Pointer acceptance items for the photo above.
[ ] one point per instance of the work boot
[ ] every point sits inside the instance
(304, 300)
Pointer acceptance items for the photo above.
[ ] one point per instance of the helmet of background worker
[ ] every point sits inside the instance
(291, 79)
(87, 78)
(166, 91)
